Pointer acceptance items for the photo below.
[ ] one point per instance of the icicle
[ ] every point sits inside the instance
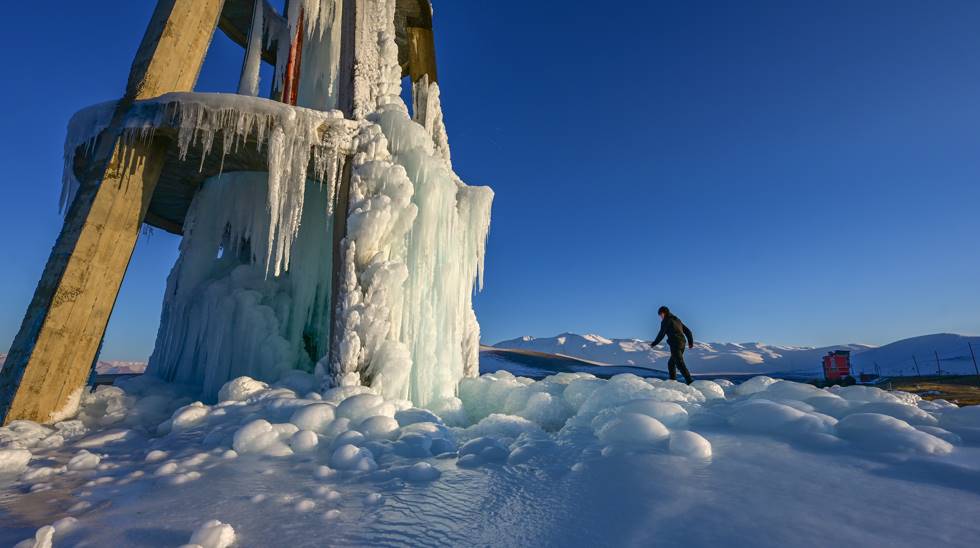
(294, 138)
(249, 83)
(222, 316)
(427, 111)
(83, 130)
(318, 86)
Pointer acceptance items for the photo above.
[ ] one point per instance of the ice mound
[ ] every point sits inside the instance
(482, 450)
(212, 534)
(316, 417)
(764, 416)
(351, 457)
(964, 421)
(45, 536)
(14, 461)
(753, 385)
(240, 389)
(689, 444)
(879, 432)
(84, 460)
(633, 428)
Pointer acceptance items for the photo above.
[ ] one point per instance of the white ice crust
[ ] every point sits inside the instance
(506, 440)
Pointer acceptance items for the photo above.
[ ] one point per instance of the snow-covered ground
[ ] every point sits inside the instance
(568, 461)
(758, 358)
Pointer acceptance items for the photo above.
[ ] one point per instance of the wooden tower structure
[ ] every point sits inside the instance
(124, 183)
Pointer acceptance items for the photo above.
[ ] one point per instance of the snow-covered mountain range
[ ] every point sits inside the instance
(740, 358)
(897, 358)
(111, 367)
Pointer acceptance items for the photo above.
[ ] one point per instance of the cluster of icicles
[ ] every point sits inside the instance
(293, 138)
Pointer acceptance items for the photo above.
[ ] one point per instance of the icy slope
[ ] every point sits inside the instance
(764, 463)
(760, 358)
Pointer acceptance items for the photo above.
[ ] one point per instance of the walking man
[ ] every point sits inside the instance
(677, 335)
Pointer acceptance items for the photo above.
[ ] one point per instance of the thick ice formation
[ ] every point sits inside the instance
(415, 246)
(416, 238)
(250, 293)
(223, 315)
(271, 453)
(377, 74)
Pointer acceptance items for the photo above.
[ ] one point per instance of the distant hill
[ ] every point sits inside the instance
(112, 367)
(538, 365)
(711, 358)
(759, 358)
(897, 358)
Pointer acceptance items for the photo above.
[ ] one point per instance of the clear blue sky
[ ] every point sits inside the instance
(788, 171)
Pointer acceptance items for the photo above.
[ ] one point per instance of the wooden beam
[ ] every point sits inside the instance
(236, 21)
(165, 224)
(53, 352)
(345, 102)
(421, 54)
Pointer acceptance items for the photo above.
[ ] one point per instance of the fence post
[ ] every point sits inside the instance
(974, 356)
(939, 368)
(916, 362)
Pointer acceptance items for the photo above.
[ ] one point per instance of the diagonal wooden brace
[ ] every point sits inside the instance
(58, 341)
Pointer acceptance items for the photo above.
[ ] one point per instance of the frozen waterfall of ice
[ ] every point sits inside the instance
(223, 315)
(416, 238)
(250, 292)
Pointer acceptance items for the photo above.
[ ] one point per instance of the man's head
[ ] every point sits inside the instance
(663, 311)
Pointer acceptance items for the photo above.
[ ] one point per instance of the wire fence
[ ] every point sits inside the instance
(933, 364)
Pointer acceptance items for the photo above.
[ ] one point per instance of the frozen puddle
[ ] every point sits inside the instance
(568, 461)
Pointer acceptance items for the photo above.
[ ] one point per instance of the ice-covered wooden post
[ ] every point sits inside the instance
(53, 352)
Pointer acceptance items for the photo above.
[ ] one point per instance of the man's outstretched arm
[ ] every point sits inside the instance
(660, 336)
(689, 335)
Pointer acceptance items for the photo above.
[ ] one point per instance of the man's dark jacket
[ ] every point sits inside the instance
(674, 329)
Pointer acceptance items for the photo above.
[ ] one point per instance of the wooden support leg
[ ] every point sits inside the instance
(53, 352)
(345, 102)
(421, 54)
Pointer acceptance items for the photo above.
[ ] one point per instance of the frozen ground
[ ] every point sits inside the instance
(569, 461)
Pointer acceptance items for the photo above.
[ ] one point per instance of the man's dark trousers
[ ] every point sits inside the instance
(677, 362)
